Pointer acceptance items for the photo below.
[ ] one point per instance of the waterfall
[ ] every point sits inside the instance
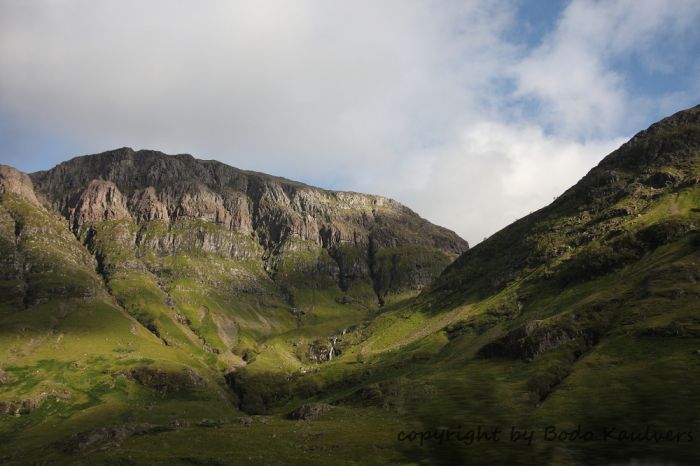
(331, 350)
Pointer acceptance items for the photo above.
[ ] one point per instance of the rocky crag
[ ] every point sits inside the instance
(360, 238)
(213, 258)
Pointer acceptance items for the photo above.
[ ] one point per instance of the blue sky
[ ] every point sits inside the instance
(534, 20)
(471, 113)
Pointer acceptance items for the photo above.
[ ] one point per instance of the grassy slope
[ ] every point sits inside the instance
(619, 279)
(583, 314)
(145, 341)
(411, 368)
(68, 354)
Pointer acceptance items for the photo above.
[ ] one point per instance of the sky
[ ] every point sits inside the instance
(472, 113)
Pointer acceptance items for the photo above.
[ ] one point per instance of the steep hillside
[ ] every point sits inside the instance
(582, 315)
(136, 279)
(613, 211)
(72, 356)
(239, 256)
(576, 327)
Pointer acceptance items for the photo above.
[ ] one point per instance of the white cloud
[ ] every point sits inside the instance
(572, 74)
(311, 80)
(494, 174)
(427, 101)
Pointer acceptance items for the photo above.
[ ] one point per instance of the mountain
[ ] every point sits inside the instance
(360, 237)
(203, 238)
(597, 216)
(164, 310)
(166, 273)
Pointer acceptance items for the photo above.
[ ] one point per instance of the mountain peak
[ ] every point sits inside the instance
(15, 182)
(603, 205)
(278, 214)
(665, 143)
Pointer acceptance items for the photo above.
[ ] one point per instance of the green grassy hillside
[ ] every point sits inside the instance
(571, 337)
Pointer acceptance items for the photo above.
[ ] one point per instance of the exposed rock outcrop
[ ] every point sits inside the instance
(166, 382)
(369, 239)
(146, 206)
(309, 412)
(529, 341)
(100, 201)
(16, 182)
(104, 436)
(163, 187)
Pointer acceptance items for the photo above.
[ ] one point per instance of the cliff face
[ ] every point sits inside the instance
(16, 182)
(369, 238)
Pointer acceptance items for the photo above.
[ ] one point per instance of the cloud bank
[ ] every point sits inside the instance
(465, 111)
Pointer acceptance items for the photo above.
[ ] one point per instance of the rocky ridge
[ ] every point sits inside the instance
(282, 216)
